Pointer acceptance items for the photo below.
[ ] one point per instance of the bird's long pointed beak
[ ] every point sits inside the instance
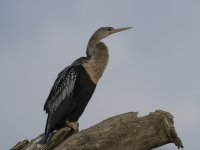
(120, 29)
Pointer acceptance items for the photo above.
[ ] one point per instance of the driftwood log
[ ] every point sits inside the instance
(123, 132)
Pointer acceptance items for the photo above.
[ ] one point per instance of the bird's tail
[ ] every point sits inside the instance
(46, 134)
(43, 140)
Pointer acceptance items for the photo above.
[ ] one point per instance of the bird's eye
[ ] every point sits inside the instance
(109, 29)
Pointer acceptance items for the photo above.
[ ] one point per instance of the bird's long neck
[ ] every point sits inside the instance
(91, 47)
(98, 56)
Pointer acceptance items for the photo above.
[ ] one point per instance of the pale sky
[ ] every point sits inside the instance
(153, 66)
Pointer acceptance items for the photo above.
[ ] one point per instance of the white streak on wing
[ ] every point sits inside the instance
(63, 86)
(66, 90)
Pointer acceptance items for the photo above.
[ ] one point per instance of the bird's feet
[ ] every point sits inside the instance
(73, 125)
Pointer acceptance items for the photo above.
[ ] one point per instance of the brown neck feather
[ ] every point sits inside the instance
(97, 62)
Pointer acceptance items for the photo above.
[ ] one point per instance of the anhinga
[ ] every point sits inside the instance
(75, 85)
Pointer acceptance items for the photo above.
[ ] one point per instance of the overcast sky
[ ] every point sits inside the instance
(153, 66)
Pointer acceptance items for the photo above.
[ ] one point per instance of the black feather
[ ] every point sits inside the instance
(62, 88)
(68, 97)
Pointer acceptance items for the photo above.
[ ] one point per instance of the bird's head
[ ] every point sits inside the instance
(103, 32)
(99, 35)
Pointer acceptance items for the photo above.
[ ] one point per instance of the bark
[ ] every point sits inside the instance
(126, 131)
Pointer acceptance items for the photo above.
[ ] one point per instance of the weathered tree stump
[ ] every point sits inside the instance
(122, 132)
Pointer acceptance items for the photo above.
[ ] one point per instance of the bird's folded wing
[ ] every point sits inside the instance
(62, 89)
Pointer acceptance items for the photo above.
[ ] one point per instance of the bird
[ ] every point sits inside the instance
(75, 85)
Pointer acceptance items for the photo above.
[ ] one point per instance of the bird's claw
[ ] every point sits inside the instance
(73, 125)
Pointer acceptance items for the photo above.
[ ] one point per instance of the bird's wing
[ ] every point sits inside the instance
(63, 87)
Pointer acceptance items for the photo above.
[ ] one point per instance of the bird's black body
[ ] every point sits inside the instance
(75, 85)
(83, 91)
(74, 102)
